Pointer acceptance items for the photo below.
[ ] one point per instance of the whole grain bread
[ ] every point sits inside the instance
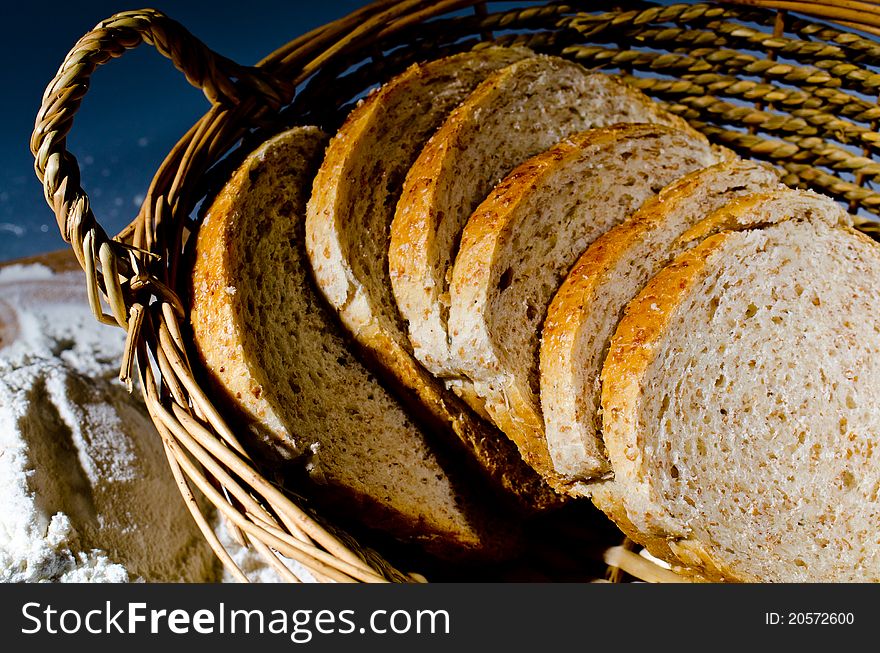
(275, 352)
(514, 114)
(740, 407)
(586, 309)
(523, 239)
(347, 229)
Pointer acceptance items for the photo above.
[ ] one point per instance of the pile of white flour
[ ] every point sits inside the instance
(85, 490)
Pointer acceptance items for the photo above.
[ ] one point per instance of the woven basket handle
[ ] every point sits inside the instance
(222, 80)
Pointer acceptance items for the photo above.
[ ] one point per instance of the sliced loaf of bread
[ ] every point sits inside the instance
(347, 229)
(514, 114)
(275, 352)
(584, 313)
(523, 239)
(741, 410)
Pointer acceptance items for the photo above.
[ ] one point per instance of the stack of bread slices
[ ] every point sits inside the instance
(508, 282)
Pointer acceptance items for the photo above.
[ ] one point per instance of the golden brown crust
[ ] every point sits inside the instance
(631, 353)
(567, 313)
(761, 209)
(568, 306)
(381, 336)
(595, 273)
(511, 408)
(517, 418)
(412, 253)
(214, 317)
(629, 357)
(421, 282)
(636, 340)
(592, 267)
(728, 217)
(389, 475)
(633, 345)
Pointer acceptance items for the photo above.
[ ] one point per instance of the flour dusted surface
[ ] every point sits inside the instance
(85, 493)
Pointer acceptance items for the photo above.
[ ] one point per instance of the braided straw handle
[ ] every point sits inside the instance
(119, 270)
(58, 169)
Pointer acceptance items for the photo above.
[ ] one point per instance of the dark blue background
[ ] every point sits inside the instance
(137, 107)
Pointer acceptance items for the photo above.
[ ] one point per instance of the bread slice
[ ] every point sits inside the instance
(741, 412)
(274, 351)
(347, 230)
(522, 241)
(516, 113)
(584, 313)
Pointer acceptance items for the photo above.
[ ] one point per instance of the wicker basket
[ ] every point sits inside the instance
(768, 83)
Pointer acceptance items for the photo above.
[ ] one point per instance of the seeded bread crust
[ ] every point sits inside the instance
(662, 521)
(613, 269)
(275, 353)
(514, 114)
(522, 240)
(347, 230)
(622, 373)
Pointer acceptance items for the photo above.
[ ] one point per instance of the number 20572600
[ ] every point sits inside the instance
(809, 618)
